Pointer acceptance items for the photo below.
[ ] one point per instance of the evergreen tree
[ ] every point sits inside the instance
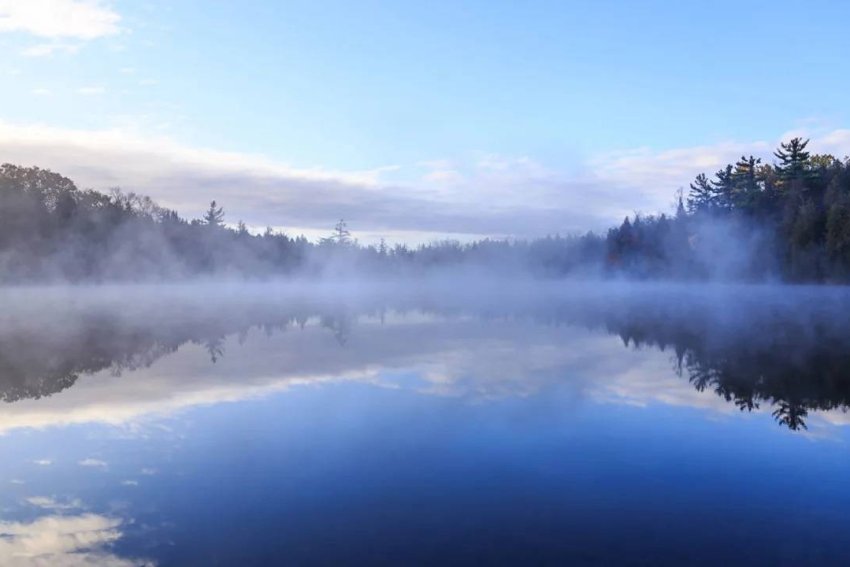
(724, 188)
(702, 197)
(341, 234)
(747, 183)
(214, 217)
(793, 159)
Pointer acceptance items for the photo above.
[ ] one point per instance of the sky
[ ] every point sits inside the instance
(415, 121)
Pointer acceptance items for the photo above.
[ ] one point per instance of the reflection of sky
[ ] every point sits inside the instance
(459, 435)
(465, 357)
(62, 540)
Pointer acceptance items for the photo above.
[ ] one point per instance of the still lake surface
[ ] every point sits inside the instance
(451, 423)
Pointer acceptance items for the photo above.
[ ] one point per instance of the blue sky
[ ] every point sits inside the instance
(537, 117)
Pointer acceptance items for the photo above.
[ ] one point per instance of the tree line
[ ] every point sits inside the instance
(52, 230)
(787, 220)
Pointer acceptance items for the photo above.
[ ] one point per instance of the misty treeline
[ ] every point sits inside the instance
(788, 220)
(51, 230)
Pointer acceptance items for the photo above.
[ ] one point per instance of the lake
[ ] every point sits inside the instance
(448, 422)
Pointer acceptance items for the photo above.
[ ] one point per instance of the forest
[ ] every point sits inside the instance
(783, 221)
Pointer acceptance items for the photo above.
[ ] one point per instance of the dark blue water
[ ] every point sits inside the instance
(634, 434)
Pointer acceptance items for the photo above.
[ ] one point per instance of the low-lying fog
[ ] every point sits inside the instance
(786, 348)
(140, 423)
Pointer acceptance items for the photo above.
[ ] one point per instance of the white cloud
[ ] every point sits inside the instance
(262, 191)
(488, 196)
(441, 171)
(447, 176)
(63, 541)
(77, 19)
(129, 483)
(40, 91)
(43, 462)
(93, 463)
(656, 174)
(835, 142)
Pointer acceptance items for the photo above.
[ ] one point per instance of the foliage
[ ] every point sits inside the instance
(51, 230)
(787, 220)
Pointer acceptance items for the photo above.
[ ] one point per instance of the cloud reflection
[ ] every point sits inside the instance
(63, 540)
(164, 358)
(49, 503)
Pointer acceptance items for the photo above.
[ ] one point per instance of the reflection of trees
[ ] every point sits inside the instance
(783, 348)
(38, 359)
(772, 358)
(792, 378)
(339, 325)
(37, 366)
(750, 352)
(215, 347)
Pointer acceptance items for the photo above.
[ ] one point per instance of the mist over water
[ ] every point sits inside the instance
(750, 344)
(425, 419)
(459, 283)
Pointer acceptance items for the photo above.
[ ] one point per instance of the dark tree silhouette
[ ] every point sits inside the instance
(752, 221)
(793, 159)
(214, 217)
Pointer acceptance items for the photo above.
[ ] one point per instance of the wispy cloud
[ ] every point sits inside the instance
(97, 463)
(49, 503)
(263, 191)
(43, 462)
(659, 172)
(489, 195)
(63, 541)
(77, 19)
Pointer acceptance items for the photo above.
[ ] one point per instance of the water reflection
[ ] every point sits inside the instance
(788, 351)
(571, 425)
(63, 540)
(793, 357)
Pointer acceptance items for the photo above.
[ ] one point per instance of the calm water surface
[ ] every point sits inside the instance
(552, 425)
